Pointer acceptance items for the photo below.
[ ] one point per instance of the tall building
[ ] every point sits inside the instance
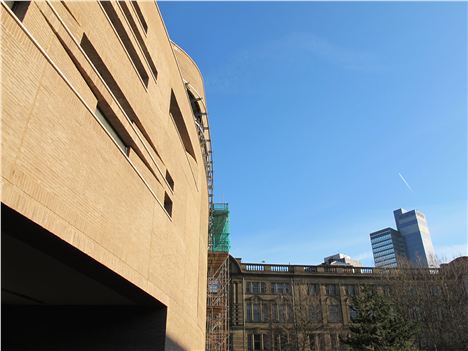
(106, 180)
(413, 227)
(412, 241)
(388, 247)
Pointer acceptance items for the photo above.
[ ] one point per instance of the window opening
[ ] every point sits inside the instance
(122, 33)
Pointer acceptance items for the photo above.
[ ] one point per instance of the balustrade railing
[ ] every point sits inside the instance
(277, 268)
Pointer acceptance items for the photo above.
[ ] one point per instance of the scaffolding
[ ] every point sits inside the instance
(217, 317)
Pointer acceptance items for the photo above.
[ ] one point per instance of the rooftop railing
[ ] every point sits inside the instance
(279, 268)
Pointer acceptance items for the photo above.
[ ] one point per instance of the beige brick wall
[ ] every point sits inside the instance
(63, 171)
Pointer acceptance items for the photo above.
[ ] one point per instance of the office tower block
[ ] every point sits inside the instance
(412, 226)
(412, 241)
(388, 247)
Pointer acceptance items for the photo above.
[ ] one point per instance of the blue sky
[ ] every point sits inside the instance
(316, 108)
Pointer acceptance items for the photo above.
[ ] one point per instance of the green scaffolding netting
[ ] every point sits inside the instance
(220, 228)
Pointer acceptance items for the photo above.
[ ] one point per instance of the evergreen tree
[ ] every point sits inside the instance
(378, 325)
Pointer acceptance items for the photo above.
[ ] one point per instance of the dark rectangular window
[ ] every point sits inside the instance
(106, 75)
(169, 180)
(265, 311)
(351, 290)
(313, 289)
(256, 287)
(312, 346)
(139, 38)
(248, 312)
(256, 312)
(335, 341)
(280, 288)
(332, 289)
(315, 313)
(255, 342)
(105, 122)
(352, 313)
(334, 313)
(140, 15)
(19, 8)
(168, 204)
(274, 312)
(178, 118)
(121, 32)
(281, 342)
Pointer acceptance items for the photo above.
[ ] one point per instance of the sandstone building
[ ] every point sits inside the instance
(307, 308)
(271, 304)
(106, 180)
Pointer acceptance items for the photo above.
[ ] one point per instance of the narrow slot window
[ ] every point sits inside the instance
(169, 179)
(121, 32)
(176, 114)
(140, 15)
(111, 130)
(139, 38)
(168, 204)
(19, 8)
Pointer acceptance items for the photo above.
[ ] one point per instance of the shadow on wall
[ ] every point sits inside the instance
(55, 297)
(73, 328)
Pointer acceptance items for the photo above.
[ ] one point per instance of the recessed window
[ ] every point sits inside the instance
(169, 180)
(122, 33)
(332, 289)
(351, 290)
(334, 313)
(352, 313)
(139, 38)
(315, 313)
(19, 8)
(168, 204)
(105, 122)
(256, 342)
(256, 287)
(178, 118)
(313, 289)
(281, 342)
(280, 288)
(140, 15)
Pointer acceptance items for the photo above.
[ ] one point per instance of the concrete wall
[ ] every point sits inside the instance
(63, 171)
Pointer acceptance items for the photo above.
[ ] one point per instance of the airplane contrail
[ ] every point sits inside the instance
(406, 183)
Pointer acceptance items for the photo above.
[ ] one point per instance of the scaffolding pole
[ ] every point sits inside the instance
(217, 317)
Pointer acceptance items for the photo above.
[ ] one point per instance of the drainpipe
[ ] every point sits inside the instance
(243, 314)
